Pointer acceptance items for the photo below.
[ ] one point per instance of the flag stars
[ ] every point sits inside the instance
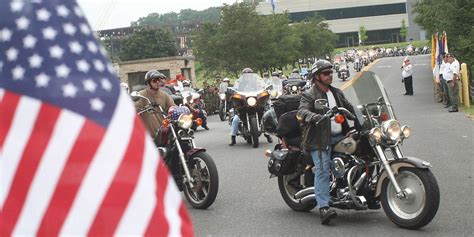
(16, 6)
(98, 65)
(106, 85)
(85, 29)
(18, 73)
(78, 11)
(35, 61)
(29, 42)
(12, 54)
(75, 47)
(22, 23)
(69, 90)
(56, 52)
(62, 11)
(69, 29)
(62, 71)
(89, 85)
(92, 47)
(43, 14)
(97, 104)
(5, 35)
(82, 66)
(42, 80)
(49, 33)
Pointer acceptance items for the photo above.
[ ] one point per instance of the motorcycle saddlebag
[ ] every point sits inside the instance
(283, 162)
(286, 103)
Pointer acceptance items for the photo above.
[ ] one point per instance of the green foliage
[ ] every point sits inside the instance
(184, 17)
(456, 18)
(362, 34)
(242, 38)
(148, 43)
(404, 30)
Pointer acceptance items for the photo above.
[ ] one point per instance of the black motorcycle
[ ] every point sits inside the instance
(343, 72)
(368, 166)
(224, 102)
(194, 170)
(250, 100)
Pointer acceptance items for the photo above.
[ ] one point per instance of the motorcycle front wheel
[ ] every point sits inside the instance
(206, 181)
(254, 131)
(288, 185)
(222, 111)
(422, 201)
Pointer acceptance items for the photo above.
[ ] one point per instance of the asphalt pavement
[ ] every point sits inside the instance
(249, 202)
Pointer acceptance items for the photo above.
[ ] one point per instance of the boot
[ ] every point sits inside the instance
(232, 140)
(269, 138)
(326, 214)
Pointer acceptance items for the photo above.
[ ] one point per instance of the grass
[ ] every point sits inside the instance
(470, 110)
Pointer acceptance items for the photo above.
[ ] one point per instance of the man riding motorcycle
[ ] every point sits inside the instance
(235, 121)
(318, 138)
(195, 108)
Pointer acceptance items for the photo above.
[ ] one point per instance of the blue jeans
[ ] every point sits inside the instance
(234, 127)
(322, 167)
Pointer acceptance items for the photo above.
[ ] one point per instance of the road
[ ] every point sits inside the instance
(249, 203)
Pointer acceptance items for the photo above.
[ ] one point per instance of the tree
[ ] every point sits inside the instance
(454, 17)
(148, 43)
(316, 38)
(403, 30)
(184, 17)
(362, 35)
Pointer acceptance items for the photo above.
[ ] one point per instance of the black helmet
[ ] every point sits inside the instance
(153, 74)
(320, 65)
(247, 70)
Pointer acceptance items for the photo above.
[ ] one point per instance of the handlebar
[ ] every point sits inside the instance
(330, 113)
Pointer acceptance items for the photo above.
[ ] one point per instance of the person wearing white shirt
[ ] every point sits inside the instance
(407, 72)
(443, 85)
(452, 78)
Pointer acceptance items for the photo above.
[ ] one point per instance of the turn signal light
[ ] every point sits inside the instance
(339, 119)
(166, 122)
(199, 121)
(237, 96)
(263, 94)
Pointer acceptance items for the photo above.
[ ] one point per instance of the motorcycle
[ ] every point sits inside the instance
(250, 99)
(224, 102)
(192, 99)
(194, 170)
(362, 174)
(343, 72)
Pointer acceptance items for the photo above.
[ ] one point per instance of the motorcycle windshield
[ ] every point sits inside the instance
(370, 100)
(223, 87)
(250, 82)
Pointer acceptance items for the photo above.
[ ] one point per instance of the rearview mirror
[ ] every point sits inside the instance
(134, 94)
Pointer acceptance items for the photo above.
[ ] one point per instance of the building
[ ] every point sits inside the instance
(381, 18)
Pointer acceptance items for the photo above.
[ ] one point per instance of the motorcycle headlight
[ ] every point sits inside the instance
(185, 121)
(376, 134)
(252, 101)
(391, 130)
(222, 96)
(274, 93)
(294, 88)
(406, 131)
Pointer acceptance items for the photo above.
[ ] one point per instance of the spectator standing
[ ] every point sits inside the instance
(407, 75)
(442, 82)
(451, 75)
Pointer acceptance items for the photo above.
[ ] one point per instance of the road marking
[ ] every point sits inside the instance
(420, 64)
(385, 66)
(349, 83)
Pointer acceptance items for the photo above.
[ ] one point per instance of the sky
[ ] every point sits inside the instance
(108, 14)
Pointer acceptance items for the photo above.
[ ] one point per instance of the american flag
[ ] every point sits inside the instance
(75, 159)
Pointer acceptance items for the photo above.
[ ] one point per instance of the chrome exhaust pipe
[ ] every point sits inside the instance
(307, 199)
(304, 192)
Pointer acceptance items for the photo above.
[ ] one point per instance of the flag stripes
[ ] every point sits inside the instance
(27, 167)
(8, 104)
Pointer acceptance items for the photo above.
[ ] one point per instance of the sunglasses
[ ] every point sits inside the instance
(326, 73)
(155, 80)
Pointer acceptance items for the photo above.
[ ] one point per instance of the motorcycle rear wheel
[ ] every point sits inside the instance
(423, 198)
(206, 181)
(288, 191)
(254, 131)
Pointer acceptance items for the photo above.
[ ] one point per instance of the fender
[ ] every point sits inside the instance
(194, 151)
(412, 162)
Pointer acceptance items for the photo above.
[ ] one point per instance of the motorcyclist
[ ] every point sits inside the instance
(154, 81)
(295, 74)
(234, 127)
(194, 108)
(317, 139)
